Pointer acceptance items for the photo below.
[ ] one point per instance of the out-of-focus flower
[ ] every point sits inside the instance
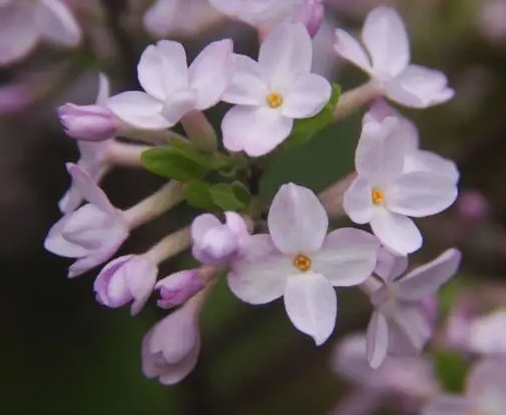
(492, 19)
(170, 349)
(178, 288)
(385, 196)
(127, 278)
(266, 14)
(388, 62)
(92, 233)
(215, 242)
(173, 89)
(89, 122)
(473, 205)
(24, 22)
(407, 376)
(484, 392)
(178, 17)
(400, 323)
(300, 262)
(415, 160)
(272, 93)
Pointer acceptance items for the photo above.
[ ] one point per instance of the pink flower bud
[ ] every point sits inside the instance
(87, 122)
(177, 288)
(311, 14)
(124, 279)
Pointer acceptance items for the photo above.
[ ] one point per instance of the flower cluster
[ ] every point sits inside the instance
(288, 247)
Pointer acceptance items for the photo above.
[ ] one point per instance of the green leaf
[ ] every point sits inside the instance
(241, 191)
(198, 194)
(304, 130)
(225, 197)
(165, 162)
(214, 161)
(451, 369)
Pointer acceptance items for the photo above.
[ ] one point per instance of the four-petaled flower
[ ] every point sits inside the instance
(299, 261)
(272, 92)
(387, 42)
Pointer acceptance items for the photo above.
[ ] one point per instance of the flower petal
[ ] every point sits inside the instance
(57, 244)
(426, 161)
(351, 50)
(377, 340)
(429, 86)
(311, 305)
(56, 22)
(158, 17)
(420, 194)
(347, 258)
(260, 276)
(104, 89)
(140, 277)
(203, 224)
(386, 40)
(178, 104)
(307, 96)
(162, 69)
(18, 33)
(286, 53)
(357, 202)
(396, 231)
(248, 85)
(210, 72)
(254, 130)
(425, 280)
(409, 328)
(139, 109)
(390, 265)
(297, 220)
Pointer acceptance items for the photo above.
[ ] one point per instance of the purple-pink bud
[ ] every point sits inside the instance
(311, 14)
(177, 288)
(127, 278)
(87, 122)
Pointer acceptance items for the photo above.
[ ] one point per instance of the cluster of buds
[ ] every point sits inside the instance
(285, 248)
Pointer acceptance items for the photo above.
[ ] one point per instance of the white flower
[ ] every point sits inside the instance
(272, 92)
(400, 322)
(384, 194)
(388, 62)
(173, 89)
(24, 22)
(300, 262)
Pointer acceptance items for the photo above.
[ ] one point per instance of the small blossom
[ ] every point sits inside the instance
(406, 376)
(177, 288)
(385, 196)
(173, 89)
(93, 233)
(415, 160)
(400, 323)
(272, 92)
(484, 392)
(171, 348)
(178, 17)
(215, 242)
(388, 61)
(89, 122)
(127, 278)
(312, 14)
(299, 261)
(25, 22)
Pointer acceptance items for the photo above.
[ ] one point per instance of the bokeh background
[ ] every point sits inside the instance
(61, 353)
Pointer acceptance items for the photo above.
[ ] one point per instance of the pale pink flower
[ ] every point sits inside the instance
(385, 195)
(177, 288)
(299, 261)
(215, 242)
(400, 323)
(92, 233)
(388, 61)
(172, 88)
(90, 122)
(24, 22)
(171, 348)
(485, 392)
(271, 93)
(124, 279)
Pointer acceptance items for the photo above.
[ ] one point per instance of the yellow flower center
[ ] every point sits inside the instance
(377, 196)
(302, 262)
(274, 100)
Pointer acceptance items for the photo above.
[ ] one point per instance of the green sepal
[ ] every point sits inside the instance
(166, 162)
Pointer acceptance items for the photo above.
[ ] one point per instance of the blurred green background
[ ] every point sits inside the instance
(63, 353)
